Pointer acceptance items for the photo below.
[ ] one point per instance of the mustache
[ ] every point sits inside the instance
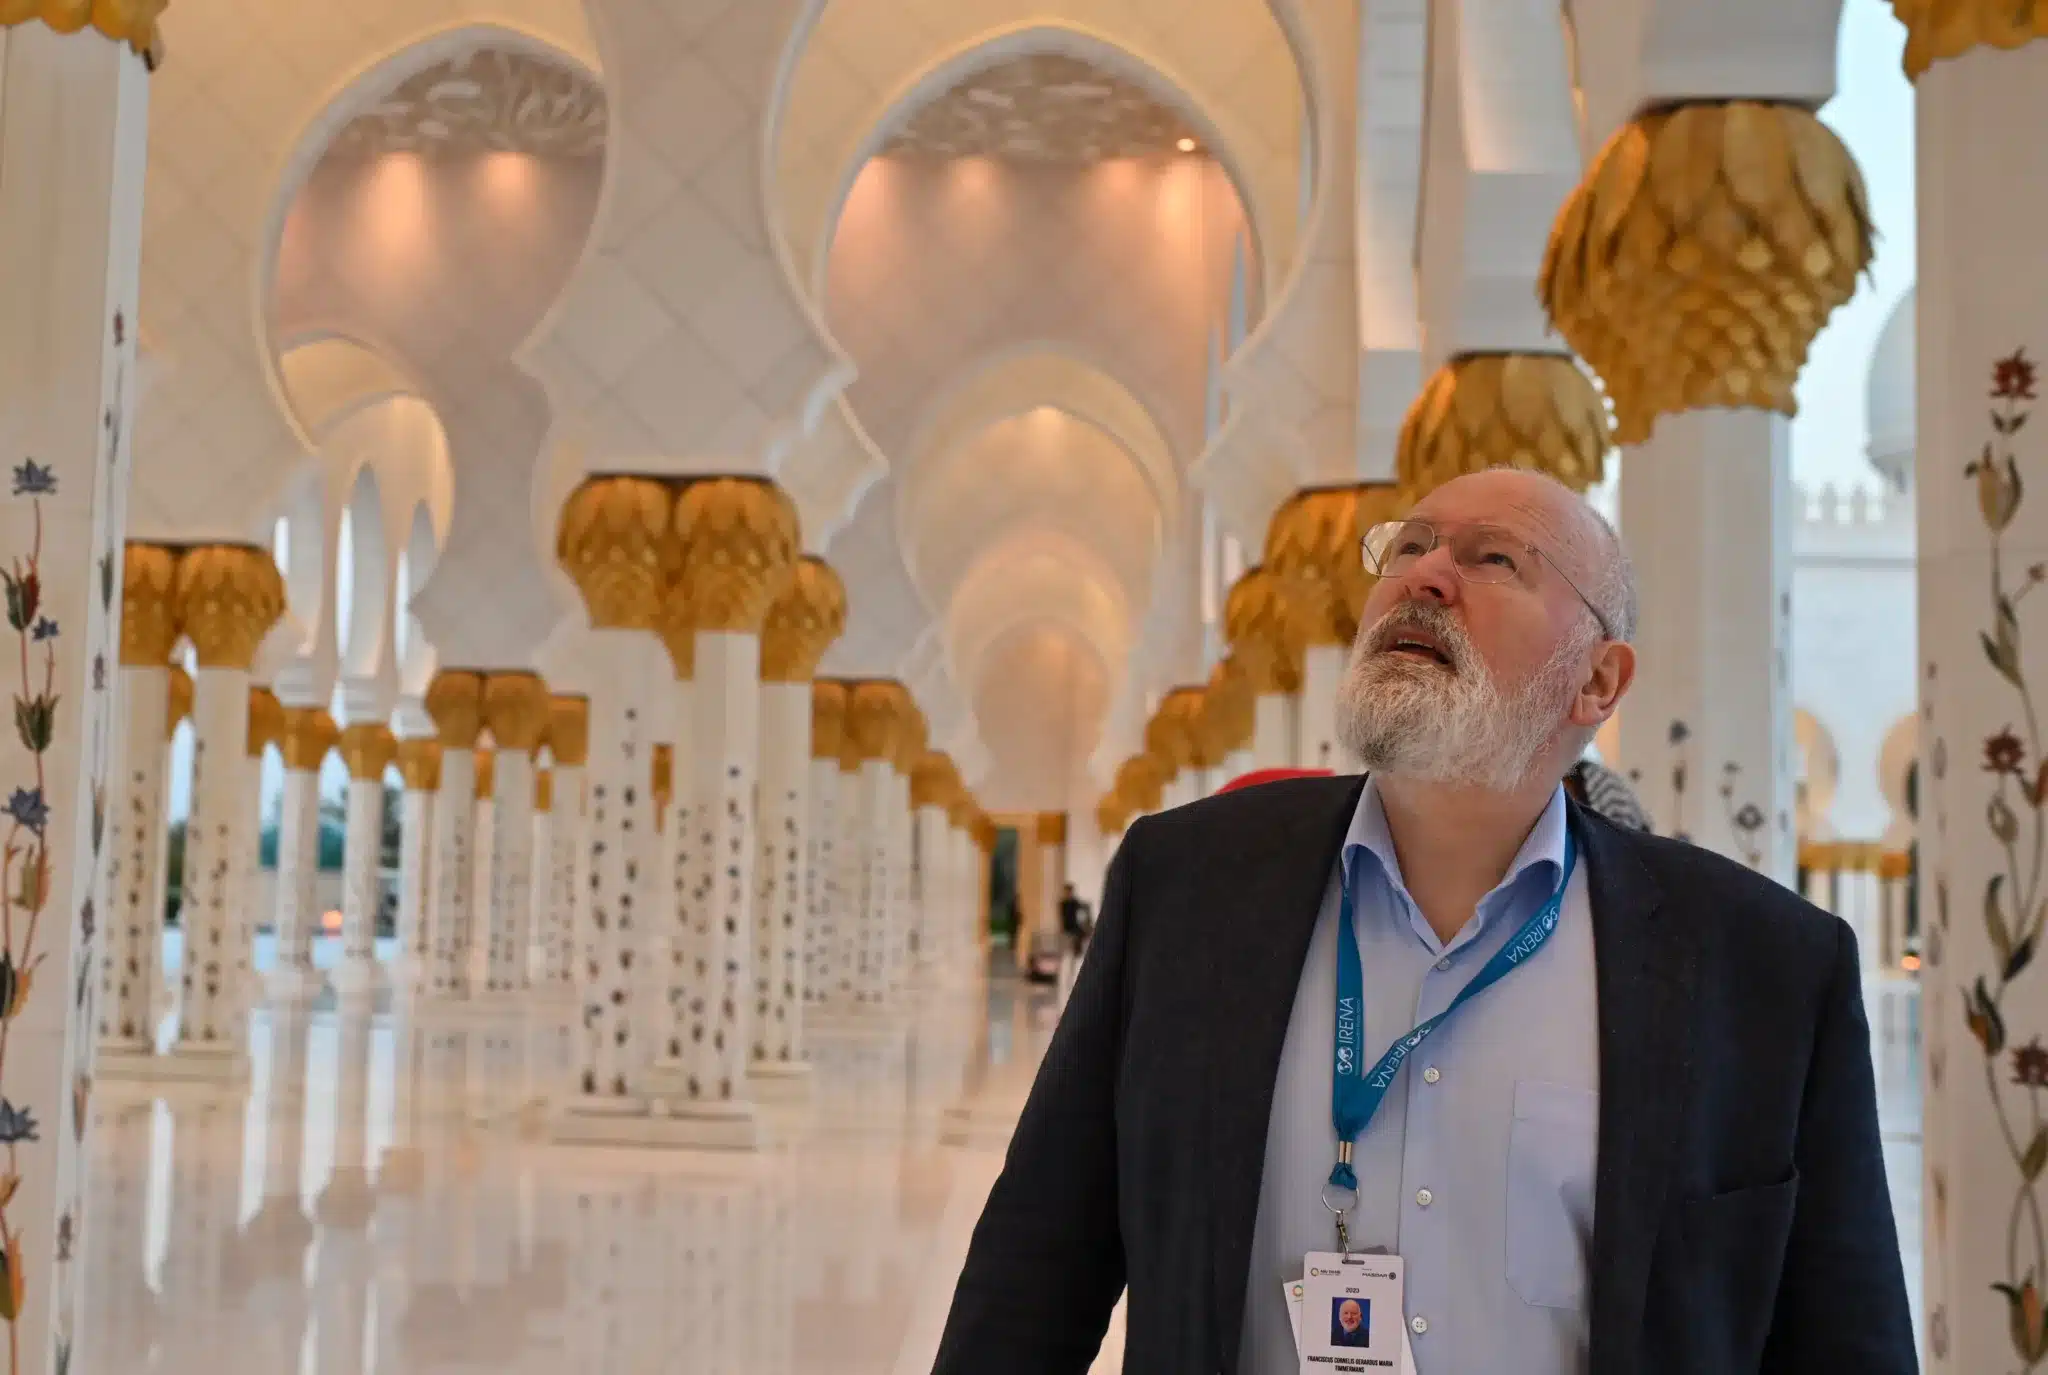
(1427, 616)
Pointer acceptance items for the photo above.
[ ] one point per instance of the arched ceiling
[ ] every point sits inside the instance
(259, 86)
(1043, 470)
(1049, 691)
(871, 66)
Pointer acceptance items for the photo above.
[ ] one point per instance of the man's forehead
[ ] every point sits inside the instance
(1525, 508)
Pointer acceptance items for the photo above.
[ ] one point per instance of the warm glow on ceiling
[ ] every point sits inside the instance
(1186, 145)
(398, 199)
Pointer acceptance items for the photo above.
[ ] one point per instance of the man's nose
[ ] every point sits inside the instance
(1434, 575)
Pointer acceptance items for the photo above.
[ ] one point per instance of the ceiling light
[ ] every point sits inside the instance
(1187, 145)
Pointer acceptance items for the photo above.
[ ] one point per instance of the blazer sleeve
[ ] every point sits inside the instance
(1842, 1295)
(1047, 1261)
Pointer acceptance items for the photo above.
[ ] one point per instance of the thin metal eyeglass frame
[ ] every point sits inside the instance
(1436, 536)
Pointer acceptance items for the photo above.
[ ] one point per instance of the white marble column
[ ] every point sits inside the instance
(1706, 731)
(823, 932)
(725, 759)
(308, 735)
(678, 938)
(849, 951)
(455, 699)
(419, 763)
(368, 749)
(783, 900)
(73, 136)
(516, 711)
(230, 595)
(133, 963)
(1982, 497)
(902, 909)
(568, 742)
(544, 877)
(878, 934)
(628, 671)
(937, 917)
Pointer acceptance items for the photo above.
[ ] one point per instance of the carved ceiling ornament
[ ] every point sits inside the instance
(489, 100)
(1044, 108)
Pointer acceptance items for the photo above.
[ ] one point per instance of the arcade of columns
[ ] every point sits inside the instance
(815, 855)
(792, 869)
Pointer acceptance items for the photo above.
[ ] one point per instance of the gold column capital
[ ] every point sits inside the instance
(180, 706)
(678, 634)
(368, 749)
(803, 623)
(828, 718)
(1173, 735)
(1229, 711)
(486, 773)
(569, 730)
(933, 780)
(309, 733)
(227, 597)
(419, 763)
(1263, 635)
(516, 709)
(878, 711)
(543, 790)
(1140, 781)
(125, 21)
(1940, 29)
(149, 615)
(1052, 828)
(266, 720)
(1313, 548)
(739, 541)
(614, 540)
(455, 699)
(1706, 246)
(1504, 410)
(1112, 813)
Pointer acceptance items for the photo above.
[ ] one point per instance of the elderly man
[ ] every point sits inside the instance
(1604, 1100)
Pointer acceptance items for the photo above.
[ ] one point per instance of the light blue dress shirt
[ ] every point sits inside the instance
(1478, 1168)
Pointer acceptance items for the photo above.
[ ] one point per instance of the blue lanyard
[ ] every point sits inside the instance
(1356, 1092)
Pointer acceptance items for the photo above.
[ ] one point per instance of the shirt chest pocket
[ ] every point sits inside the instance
(1552, 1149)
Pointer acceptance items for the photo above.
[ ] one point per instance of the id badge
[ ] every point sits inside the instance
(1348, 1318)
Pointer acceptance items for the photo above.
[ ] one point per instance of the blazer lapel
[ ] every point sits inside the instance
(1646, 972)
(1257, 924)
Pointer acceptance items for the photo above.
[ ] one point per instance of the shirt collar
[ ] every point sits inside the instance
(1369, 843)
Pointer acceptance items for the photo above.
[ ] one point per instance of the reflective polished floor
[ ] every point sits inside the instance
(383, 1200)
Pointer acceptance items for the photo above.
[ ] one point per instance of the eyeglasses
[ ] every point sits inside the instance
(1480, 553)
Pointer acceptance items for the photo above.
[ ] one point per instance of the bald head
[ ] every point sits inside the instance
(1584, 545)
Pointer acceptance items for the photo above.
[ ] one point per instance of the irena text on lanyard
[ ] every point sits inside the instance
(1357, 1091)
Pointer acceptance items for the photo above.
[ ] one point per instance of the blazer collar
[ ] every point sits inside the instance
(1646, 970)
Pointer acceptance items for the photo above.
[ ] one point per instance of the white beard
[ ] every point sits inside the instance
(1455, 726)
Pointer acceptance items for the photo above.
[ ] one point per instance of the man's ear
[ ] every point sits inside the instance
(1614, 669)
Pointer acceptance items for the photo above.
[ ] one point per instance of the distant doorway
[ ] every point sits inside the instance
(1004, 899)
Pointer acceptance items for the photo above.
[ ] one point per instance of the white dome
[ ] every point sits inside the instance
(1891, 408)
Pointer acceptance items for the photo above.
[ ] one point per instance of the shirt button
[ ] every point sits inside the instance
(1431, 1075)
(1423, 1198)
(1443, 965)
(1419, 1323)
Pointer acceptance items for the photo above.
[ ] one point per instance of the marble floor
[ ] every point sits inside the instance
(383, 1200)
